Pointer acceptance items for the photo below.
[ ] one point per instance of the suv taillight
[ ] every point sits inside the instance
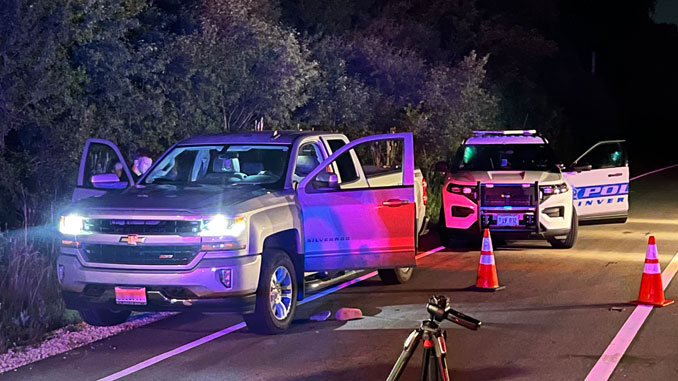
(424, 187)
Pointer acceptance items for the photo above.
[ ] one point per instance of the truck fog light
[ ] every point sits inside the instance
(61, 272)
(225, 277)
(221, 246)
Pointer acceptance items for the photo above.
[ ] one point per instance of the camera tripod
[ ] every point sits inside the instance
(434, 363)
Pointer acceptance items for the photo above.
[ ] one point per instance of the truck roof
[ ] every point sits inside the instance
(251, 137)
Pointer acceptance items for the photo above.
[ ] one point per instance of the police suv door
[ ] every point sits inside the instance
(102, 169)
(352, 224)
(600, 182)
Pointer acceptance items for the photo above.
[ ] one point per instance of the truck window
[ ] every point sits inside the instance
(381, 161)
(308, 159)
(344, 162)
(222, 165)
(101, 159)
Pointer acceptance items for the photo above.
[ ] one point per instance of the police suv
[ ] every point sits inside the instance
(511, 183)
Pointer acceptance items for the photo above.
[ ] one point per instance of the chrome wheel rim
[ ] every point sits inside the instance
(281, 293)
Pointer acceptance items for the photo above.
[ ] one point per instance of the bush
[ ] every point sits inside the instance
(30, 302)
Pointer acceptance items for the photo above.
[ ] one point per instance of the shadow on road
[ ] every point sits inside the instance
(564, 307)
(381, 371)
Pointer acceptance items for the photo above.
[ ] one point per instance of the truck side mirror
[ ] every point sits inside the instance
(108, 181)
(326, 180)
(442, 166)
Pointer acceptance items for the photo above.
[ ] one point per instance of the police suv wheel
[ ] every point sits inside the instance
(276, 295)
(104, 318)
(571, 238)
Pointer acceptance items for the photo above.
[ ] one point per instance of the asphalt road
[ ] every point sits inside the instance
(553, 321)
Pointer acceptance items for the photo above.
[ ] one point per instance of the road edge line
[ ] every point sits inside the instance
(609, 360)
(653, 172)
(213, 336)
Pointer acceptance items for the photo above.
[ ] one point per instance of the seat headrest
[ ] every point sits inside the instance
(305, 164)
(223, 163)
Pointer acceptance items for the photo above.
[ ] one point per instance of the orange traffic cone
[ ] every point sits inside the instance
(651, 288)
(487, 270)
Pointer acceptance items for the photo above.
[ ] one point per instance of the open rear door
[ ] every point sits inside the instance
(102, 169)
(358, 206)
(600, 182)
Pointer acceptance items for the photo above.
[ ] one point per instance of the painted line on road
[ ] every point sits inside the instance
(653, 172)
(206, 339)
(615, 351)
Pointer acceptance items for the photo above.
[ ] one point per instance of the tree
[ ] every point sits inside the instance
(235, 69)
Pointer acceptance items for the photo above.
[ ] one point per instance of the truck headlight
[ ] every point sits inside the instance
(546, 191)
(219, 225)
(72, 224)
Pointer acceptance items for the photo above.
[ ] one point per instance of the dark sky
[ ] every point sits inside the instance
(666, 11)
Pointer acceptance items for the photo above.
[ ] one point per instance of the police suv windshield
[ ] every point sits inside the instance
(264, 165)
(505, 157)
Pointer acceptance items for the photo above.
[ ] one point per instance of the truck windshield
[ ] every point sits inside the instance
(264, 165)
(505, 157)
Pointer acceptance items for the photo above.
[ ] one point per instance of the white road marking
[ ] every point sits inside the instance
(653, 172)
(203, 340)
(615, 351)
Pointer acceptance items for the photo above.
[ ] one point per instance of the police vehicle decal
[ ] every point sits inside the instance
(605, 194)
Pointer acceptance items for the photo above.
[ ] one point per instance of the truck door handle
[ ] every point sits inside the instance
(395, 202)
(614, 175)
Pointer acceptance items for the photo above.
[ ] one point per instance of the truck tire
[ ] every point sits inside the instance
(571, 238)
(398, 275)
(101, 317)
(276, 295)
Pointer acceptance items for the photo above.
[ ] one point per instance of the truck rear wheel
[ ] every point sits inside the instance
(398, 275)
(571, 238)
(276, 295)
(101, 317)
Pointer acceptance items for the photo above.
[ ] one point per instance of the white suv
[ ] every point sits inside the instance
(511, 183)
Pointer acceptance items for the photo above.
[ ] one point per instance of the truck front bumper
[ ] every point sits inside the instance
(167, 290)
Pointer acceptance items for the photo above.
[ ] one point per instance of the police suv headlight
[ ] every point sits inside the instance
(72, 224)
(546, 191)
(469, 191)
(222, 233)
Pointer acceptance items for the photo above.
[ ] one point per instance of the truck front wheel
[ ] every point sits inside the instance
(276, 295)
(104, 318)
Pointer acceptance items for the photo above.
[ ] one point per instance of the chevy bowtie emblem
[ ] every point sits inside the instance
(132, 239)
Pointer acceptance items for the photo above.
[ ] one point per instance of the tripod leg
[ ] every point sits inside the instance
(408, 350)
(441, 357)
(426, 364)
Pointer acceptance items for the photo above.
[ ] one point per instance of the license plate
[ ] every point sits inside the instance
(130, 295)
(508, 220)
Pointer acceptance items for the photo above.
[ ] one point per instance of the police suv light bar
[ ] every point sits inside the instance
(506, 133)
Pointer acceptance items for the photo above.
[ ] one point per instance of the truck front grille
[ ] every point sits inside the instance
(122, 226)
(509, 195)
(140, 255)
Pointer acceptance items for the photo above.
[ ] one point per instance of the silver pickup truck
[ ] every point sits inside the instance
(238, 222)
